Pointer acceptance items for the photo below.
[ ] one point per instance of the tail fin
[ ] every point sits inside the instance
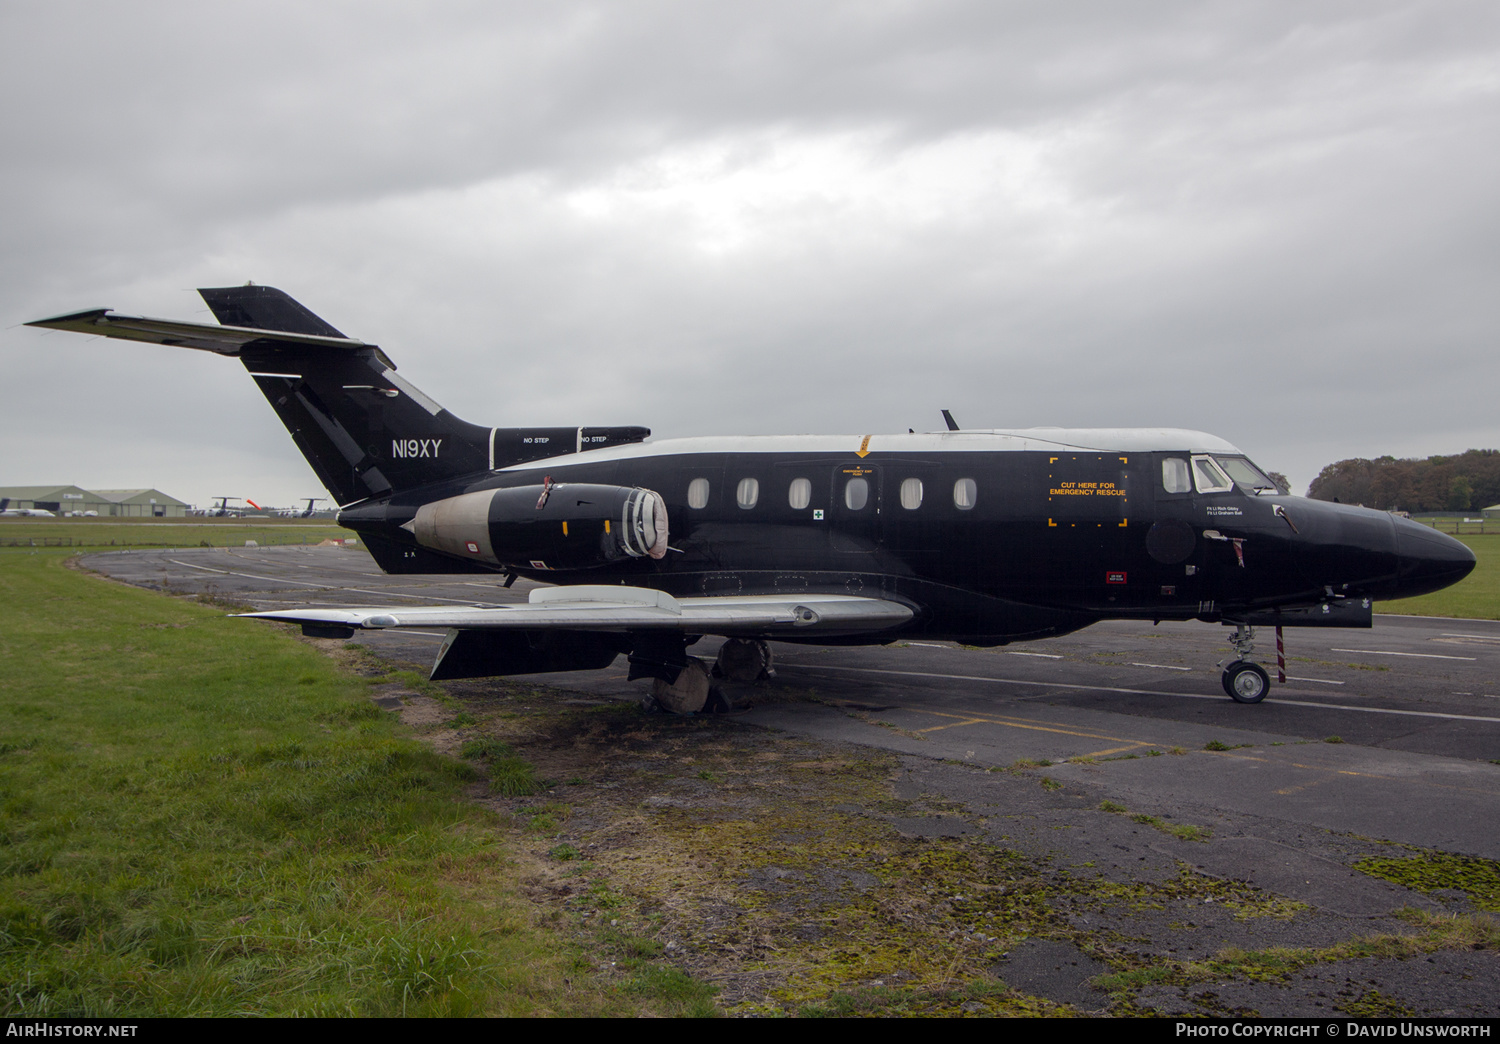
(365, 431)
(264, 308)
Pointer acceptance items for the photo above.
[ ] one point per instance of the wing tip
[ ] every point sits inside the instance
(62, 322)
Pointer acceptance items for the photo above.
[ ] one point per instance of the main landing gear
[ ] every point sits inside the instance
(689, 694)
(695, 690)
(744, 660)
(1245, 682)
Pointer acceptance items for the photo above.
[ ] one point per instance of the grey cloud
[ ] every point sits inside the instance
(1276, 224)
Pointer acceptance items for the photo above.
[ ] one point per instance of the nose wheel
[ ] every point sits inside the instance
(1245, 682)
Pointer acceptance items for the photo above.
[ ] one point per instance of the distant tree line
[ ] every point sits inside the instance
(1468, 481)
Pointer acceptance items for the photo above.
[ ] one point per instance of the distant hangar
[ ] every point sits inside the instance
(106, 503)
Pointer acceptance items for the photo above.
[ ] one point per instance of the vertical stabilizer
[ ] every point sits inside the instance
(264, 308)
(364, 430)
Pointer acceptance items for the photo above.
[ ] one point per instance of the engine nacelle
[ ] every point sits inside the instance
(570, 525)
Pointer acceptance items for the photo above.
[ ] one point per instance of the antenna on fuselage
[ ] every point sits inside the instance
(952, 424)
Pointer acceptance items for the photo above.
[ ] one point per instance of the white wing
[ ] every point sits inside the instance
(619, 609)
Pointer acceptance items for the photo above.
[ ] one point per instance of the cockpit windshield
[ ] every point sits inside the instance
(1246, 475)
(1216, 474)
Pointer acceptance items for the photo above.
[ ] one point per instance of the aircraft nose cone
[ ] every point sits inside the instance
(1427, 560)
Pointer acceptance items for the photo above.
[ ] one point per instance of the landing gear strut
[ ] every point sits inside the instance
(1245, 682)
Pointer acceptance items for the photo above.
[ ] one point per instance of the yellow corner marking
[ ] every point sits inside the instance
(864, 447)
(1051, 523)
(1025, 723)
(1051, 460)
(954, 724)
(1115, 750)
(1125, 460)
(1124, 522)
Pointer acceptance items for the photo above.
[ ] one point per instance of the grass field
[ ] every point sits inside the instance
(1477, 597)
(1460, 525)
(200, 817)
(155, 532)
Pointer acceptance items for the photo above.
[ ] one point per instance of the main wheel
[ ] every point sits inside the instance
(688, 693)
(1246, 682)
(743, 660)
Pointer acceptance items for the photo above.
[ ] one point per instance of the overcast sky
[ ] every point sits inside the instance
(1275, 222)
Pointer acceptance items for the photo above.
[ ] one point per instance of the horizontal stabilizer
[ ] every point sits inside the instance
(620, 609)
(208, 337)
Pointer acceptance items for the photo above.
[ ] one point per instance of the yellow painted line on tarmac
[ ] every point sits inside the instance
(1022, 723)
(953, 724)
(1114, 750)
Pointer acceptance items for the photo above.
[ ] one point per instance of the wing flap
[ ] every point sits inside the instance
(621, 609)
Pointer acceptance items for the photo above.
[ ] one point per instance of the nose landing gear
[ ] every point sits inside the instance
(1245, 682)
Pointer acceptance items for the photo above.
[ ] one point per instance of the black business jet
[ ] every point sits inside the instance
(981, 537)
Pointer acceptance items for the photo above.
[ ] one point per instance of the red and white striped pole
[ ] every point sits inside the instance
(1280, 657)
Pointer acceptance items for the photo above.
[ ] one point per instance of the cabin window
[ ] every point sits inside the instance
(1175, 477)
(747, 493)
(1210, 477)
(698, 493)
(856, 494)
(965, 492)
(911, 493)
(799, 493)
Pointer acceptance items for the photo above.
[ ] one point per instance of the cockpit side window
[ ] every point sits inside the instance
(1210, 477)
(1174, 475)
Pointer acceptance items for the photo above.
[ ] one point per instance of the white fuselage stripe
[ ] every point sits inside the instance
(1028, 440)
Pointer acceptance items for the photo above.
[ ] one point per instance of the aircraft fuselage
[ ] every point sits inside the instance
(991, 536)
